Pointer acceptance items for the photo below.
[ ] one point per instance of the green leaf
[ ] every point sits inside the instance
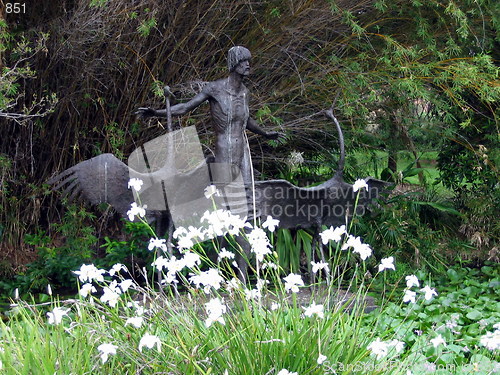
(440, 207)
(474, 315)
(455, 278)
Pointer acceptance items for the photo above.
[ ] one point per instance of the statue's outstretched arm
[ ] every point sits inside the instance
(176, 110)
(254, 128)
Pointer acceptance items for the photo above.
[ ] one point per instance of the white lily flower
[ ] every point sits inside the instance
(314, 309)
(210, 191)
(292, 282)
(409, 296)
(332, 234)
(215, 309)
(359, 184)
(386, 263)
(157, 243)
(412, 280)
(429, 292)
(321, 358)
(319, 266)
(135, 183)
(378, 348)
(149, 341)
(89, 272)
(136, 210)
(106, 350)
(136, 321)
(87, 289)
(270, 223)
(55, 316)
(438, 341)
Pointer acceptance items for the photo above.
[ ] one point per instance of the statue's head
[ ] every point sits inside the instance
(236, 55)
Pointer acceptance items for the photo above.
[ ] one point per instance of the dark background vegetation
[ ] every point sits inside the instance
(411, 76)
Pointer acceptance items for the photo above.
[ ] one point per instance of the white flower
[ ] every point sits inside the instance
(233, 284)
(180, 231)
(173, 264)
(225, 254)
(275, 306)
(135, 183)
(314, 309)
(491, 340)
(215, 308)
(106, 350)
(160, 262)
(409, 296)
(378, 348)
(110, 295)
(270, 223)
(437, 341)
(259, 243)
(286, 372)
(209, 279)
(185, 243)
(332, 234)
(270, 265)
(261, 283)
(221, 222)
(210, 191)
(86, 289)
(234, 224)
(359, 184)
(386, 263)
(139, 310)
(159, 243)
(191, 260)
(136, 210)
(252, 294)
(49, 290)
(292, 282)
(319, 266)
(321, 358)
(196, 233)
(56, 315)
(116, 268)
(412, 280)
(359, 247)
(136, 321)
(126, 284)
(149, 341)
(16, 294)
(398, 345)
(364, 251)
(89, 272)
(429, 292)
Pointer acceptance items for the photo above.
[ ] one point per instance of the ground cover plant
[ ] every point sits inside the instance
(192, 315)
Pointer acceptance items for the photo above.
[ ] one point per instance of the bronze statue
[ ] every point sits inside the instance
(104, 178)
(228, 98)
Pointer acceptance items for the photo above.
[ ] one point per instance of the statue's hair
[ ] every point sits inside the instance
(236, 55)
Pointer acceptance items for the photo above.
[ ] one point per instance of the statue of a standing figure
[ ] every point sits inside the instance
(228, 98)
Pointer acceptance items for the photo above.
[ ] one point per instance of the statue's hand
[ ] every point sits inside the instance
(144, 112)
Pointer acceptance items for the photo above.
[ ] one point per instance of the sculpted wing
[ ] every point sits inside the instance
(102, 179)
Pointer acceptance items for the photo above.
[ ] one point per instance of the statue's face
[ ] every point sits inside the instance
(243, 68)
